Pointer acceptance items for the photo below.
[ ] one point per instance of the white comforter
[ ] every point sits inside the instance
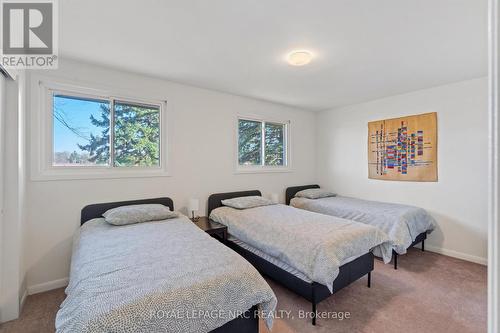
(166, 276)
(312, 243)
(401, 223)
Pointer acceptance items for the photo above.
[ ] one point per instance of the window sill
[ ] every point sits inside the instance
(240, 171)
(98, 173)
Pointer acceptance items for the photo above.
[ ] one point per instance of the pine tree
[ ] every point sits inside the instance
(250, 141)
(136, 136)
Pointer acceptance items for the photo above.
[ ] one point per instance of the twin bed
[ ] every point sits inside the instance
(312, 254)
(160, 276)
(405, 225)
(169, 275)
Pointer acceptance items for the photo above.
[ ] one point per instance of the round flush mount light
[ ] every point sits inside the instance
(299, 57)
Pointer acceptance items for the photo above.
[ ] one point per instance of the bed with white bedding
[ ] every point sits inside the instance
(300, 248)
(160, 276)
(286, 267)
(405, 225)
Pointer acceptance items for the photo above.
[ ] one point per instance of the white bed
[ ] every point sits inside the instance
(403, 224)
(312, 254)
(157, 276)
(313, 244)
(278, 262)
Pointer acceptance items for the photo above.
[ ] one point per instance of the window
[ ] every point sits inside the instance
(262, 145)
(82, 132)
(249, 142)
(80, 124)
(274, 139)
(136, 135)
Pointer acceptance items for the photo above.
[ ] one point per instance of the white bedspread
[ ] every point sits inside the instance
(401, 223)
(312, 243)
(166, 276)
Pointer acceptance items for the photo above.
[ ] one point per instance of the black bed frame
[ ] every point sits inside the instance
(291, 191)
(246, 323)
(313, 292)
(96, 210)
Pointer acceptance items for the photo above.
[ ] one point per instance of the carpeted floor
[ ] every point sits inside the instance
(428, 293)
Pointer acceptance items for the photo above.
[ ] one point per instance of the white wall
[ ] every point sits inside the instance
(458, 200)
(202, 157)
(494, 170)
(13, 236)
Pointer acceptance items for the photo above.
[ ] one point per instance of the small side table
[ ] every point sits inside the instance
(212, 228)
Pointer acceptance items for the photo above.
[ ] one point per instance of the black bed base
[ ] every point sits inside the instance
(313, 292)
(419, 239)
(246, 323)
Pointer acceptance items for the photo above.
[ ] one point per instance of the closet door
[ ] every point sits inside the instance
(2, 156)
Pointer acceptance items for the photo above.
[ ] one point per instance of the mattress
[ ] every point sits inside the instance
(277, 262)
(123, 278)
(314, 244)
(402, 223)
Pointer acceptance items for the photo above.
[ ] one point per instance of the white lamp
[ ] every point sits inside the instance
(194, 206)
(275, 198)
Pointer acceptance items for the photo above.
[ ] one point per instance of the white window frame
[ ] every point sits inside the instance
(42, 135)
(264, 168)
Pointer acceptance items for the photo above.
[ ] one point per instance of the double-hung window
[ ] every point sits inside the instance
(262, 145)
(90, 133)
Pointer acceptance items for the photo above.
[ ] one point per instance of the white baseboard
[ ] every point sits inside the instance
(23, 299)
(456, 254)
(54, 284)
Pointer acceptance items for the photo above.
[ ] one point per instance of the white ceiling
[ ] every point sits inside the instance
(364, 49)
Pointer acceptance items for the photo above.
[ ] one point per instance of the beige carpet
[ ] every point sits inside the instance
(428, 293)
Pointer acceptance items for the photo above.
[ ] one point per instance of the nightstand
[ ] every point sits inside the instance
(212, 228)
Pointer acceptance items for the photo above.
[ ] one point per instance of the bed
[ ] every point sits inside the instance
(406, 226)
(166, 276)
(288, 262)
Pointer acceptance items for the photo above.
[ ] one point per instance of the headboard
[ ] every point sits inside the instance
(96, 210)
(214, 200)
(290, 191)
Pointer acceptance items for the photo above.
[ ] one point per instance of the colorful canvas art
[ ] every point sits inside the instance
(403, 148)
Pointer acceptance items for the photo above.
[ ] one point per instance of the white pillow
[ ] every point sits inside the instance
(247, 202)
(314, 193)
(137, 214)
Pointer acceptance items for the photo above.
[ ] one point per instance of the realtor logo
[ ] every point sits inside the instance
(29, 34)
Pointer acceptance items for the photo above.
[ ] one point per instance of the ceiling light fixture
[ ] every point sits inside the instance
(299, 58)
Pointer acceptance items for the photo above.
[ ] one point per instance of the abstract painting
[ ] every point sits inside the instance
(403, 148)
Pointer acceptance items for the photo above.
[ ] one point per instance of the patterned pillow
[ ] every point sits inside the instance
(138, 213)
(314, 193)
(247, 202)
